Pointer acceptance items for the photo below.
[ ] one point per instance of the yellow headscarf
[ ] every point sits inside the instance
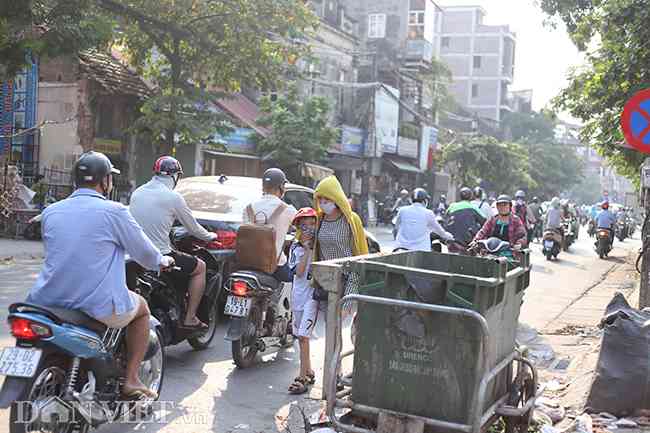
(331, 189)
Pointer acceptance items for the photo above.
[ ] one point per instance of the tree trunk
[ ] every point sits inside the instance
(170, 135)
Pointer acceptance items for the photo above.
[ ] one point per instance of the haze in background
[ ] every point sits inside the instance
(543, 55)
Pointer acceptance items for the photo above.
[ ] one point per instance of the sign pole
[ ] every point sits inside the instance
(644, 286)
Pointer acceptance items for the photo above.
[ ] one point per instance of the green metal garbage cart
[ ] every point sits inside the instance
(435, 342)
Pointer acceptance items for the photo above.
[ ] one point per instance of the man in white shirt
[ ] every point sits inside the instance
(415, 223)
(273, 185)
(155, 206)
(481, 202)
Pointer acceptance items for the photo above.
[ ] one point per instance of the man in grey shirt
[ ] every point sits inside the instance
(554, 216)
(155, 206)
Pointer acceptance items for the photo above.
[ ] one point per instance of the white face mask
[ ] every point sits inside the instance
(327, 206)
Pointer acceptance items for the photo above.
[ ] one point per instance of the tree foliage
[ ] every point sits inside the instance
(437, 84)
(554, 168)
(300, 130)
(48, 28)
(193, 50)
(614, 35)
(502, 166)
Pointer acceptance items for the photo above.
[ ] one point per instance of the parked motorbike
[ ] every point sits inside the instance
(622, 230)
(259, 307)
(552, 244)
(569, 234)
(603, 243)
(167, 295)
(66, 370)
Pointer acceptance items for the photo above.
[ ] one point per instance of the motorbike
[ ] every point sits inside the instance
(631, 226)
(552, 244)
(569, 234)
(538, 232)
(259, 307)
(603, 243)
(167, 295)
(66, 370)
(494, 247)
(622, 230)
(592, 229)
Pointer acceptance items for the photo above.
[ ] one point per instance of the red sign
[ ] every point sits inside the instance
(635, 121)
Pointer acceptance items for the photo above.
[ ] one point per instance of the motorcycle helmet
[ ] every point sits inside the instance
(466, 193)
(167, 166)
(504, 199)
(478, 193)
(605, 205)
(520, 195)
(404, 193)
(420, 196)
(443, 198)
(555, 202)
(535, 200)
(305, 212)
(273, 178)
(91, 168)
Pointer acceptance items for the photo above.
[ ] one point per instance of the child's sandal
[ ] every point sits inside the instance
(299, 386)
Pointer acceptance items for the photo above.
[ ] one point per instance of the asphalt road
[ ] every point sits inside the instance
(206, 393)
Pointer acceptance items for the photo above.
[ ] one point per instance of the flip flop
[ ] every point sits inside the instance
(299, 386)
(196, 327)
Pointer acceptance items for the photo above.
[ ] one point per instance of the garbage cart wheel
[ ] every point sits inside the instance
(518, 397)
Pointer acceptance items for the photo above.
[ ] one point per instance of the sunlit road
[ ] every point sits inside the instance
(211, 395)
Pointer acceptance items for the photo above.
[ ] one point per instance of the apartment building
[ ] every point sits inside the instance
(481, 58)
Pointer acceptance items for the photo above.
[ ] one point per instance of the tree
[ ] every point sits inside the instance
(300, 131)
(503, 166)
(437, 85)
(614, 35)
(554, 168)
(193, 51)
(48, 28)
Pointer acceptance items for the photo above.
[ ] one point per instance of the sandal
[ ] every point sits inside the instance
(299, 386)
(198, 326)
(311, 376)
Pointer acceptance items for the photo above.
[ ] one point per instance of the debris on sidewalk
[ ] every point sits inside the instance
(552, 408)
(540, 352)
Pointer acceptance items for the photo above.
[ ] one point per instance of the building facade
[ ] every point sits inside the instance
(481, 58)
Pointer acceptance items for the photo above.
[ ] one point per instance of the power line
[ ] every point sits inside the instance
(38, 127)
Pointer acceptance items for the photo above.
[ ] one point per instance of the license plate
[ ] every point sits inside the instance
(548, 244)
(237, 306)
(19, 361)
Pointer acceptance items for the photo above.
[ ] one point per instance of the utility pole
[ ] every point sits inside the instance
(644, 288)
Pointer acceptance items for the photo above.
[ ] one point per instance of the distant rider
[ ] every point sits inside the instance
(441, 208)
(481, 202)
(606, 220)
(155, 206)
(403, 200)
(505, 225)
(463, 219)
(415, 223)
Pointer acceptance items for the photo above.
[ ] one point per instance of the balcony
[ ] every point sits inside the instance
(419, 50)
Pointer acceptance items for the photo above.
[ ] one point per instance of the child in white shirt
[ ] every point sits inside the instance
(303, 305)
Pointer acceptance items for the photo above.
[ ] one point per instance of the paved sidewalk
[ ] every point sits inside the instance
(16, 248)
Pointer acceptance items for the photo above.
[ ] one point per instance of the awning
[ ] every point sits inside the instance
(316, 172)
(242, 108)
(404, 166)
(231, 155)
(340, 161)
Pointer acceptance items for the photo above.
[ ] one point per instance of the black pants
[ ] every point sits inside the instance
(283, 273)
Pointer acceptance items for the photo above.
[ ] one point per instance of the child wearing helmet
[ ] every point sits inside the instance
(303, 305)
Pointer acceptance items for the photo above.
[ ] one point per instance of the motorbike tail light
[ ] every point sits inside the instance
(603, 233)
(239, 288)
(226, 240)
(24, 329)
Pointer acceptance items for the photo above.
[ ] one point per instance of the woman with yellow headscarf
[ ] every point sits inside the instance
(340, 230)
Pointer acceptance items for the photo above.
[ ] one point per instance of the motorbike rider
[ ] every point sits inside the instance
(505, 225)
(535, 210)
(155, 206)
(86, 237)
(606, 220)
(441, 208)
(463, 219)
(273, 186)
(481, 202)
(554, 217)
(415, 223)
(403, 200)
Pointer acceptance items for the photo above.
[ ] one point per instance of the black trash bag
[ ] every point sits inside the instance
(621, 384)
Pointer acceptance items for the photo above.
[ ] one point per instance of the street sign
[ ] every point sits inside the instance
(635, 121)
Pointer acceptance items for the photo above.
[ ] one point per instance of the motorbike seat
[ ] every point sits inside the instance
(266, 280)
(63, 315)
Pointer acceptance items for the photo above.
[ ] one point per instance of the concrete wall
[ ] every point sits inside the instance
(490, 67)
(487, 44)
(488, 91)
(59, 144)
(457, 44)
(457, 21)
(458, 65)
(396, 17)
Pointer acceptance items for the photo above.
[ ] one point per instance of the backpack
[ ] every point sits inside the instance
(256, 243)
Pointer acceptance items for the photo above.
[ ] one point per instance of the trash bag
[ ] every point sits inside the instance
(621, 384)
